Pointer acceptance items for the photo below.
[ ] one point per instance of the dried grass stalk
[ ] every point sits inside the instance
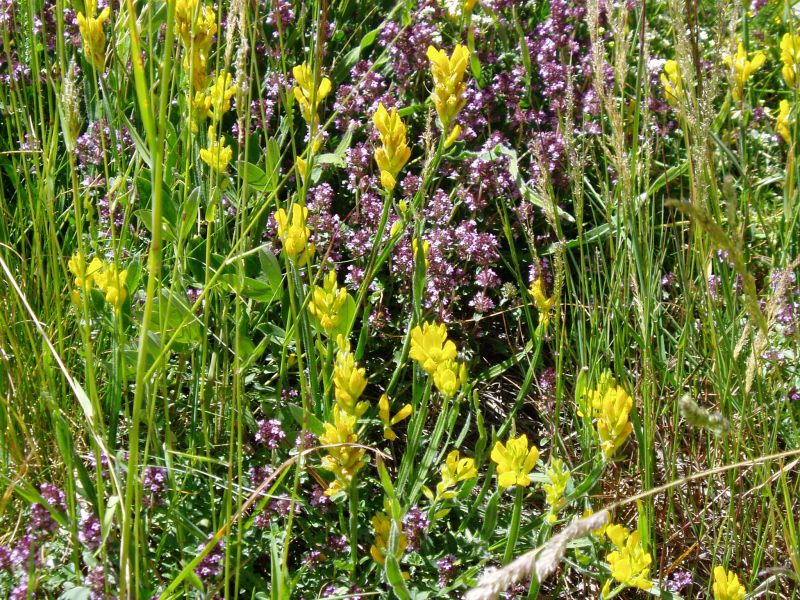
(542, 561)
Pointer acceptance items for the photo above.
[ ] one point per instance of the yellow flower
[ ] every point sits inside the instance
(469, 5)
(382, 525)
(449, 376)
(112, 283)
(196, 26)
(672, 81)
(307, 95)
(84, 275)
(349, 380)
(790, 56)
(394, 153)
(426, 249)
(196, 61)
(326, 302)
(613, 426)
(726, 585)
(449, 87)
(594, 398)
(219, 96)
(630, 563)
(216, 155)
(454, 470)
(782, 125)
(542, 302)
(94, 38)
(743, 68)
(514, 461)
(343, 461)
(388, 420)
(294, 234)
(430, 346)
(557, 479)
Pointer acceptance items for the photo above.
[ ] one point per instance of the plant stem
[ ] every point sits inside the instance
(513, 530)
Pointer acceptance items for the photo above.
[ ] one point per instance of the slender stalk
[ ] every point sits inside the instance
(513, 530)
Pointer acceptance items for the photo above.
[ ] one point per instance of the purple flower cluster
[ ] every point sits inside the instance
(99, 141)
(90, 533)
(41, 521)
(361, 98)
(407, 45)
(447, 569)
(270, 433)
(96, 582)
(211, 565)
(415, 522)
(679, 580)
(154, 484)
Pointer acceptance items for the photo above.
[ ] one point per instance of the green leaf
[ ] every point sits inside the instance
(313, 424)
(490, 516)
(395, 578)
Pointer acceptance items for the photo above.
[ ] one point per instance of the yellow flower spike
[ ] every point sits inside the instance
(112, 283)
(84, 275)
(742, 69)
(542, 302)
(294, 234)
(790, 57)
(454, 470)
(426, 248)
(594, 397)
(557, 480)
(196, 61)
(727, 585)
(349, 380)
(672, 81)
(382, 525)
(449, 87)
(448, 377)
(782, 126)
(514, 461)
(219, 96)
(430, 346)
(307, 97)
(388, 421)
(327, 301)
(94, 38)
(195, 24)
(613, 426)
(451, 139)
(216, 155)
(630, 563)
(394, 153)
(343, 461)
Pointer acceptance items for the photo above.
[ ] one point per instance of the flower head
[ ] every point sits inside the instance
(111, 282)
(382, 525)
(454, 470)
(742, 68)
(790, 57)
(448, 80)
(349, 380)
(449, 376)
(542, 302)
(430, 346)
(514, 461)
(94, 38)
(294, 234)
(343, 461)
(630, 563)
(672, 81)
(84, 275)
(327, 302)
(216, 155)
(557, 479)
(394, 152)
(309, 96)
(386, 418)
(782, 125)
(219, 96)
(613, 426)
(727, 585)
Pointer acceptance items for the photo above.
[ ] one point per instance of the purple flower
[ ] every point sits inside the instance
(415, 522)
(447, 569)
(211, 565)
(313, 559)
(270, 433)
(90, 532)
(337, 544)
(679, 580)
(41, 521)
(96, 581)
(154, 483)
(5, 558)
